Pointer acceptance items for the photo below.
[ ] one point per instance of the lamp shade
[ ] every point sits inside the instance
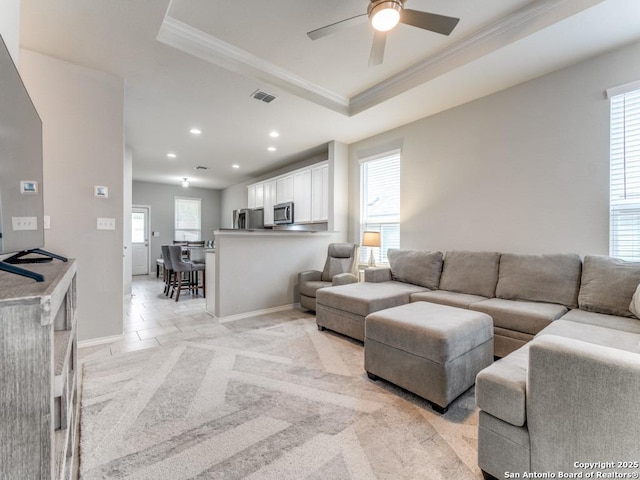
(371, 239)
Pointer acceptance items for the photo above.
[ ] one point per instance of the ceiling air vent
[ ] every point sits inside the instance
(263, 96)
(200, 167)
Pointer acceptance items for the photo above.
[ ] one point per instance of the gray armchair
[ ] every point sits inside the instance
(340, 268)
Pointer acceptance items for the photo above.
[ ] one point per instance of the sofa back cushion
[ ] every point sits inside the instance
(416, 267)
(475, 273)
(608, 285)
(552, 278)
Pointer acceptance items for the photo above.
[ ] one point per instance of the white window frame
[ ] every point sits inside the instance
(193, 234)
(624, 178)
(391, 225)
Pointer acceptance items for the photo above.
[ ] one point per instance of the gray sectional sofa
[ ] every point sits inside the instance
(567, 390)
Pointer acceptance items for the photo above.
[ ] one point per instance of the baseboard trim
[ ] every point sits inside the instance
(100, 341)
(239, 316)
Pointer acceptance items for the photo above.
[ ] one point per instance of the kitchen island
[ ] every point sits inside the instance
(256, 271)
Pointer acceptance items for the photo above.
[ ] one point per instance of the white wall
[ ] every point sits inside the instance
(160, 198)
(83, 144)
(10, 26)
(126, 215)
(523, 170)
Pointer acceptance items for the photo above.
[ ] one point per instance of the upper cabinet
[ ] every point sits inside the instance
(269, 189)
(256, 196)
(284, 189)
(320, 193)
(308, 188)
(302, 196)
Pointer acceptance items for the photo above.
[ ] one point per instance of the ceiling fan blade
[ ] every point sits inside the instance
(377, 49)
(429, 21)
(336, 27)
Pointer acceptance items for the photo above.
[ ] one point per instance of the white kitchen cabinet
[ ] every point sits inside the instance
(251, 199)
(320, 193)
(284, 189)
(269, 195)
(302, 196)
(255, 197)
(259, 196)
(307, 188)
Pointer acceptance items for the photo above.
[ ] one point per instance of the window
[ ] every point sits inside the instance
(380, 203)
(138, 233)
(624, 230)
(187, 219)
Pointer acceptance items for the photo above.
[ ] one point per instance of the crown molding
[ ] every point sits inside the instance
(202, 45)
(516, 26)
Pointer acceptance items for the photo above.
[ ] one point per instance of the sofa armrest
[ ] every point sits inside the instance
(344, 279)
(377, 274)
(582, 403)
(310, 276)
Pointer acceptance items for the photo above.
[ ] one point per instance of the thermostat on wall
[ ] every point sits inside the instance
(100, 192)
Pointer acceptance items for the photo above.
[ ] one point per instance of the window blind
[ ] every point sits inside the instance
(624, 232)
(380, 204)
(187, 219)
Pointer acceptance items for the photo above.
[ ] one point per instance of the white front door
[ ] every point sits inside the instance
(140, 240)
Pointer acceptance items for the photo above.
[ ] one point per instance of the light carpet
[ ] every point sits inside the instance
(267, 397)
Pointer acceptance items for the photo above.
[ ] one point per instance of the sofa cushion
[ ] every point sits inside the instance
(416, 267)
(608, 285)
(553, 278)
(521, 316)
(443, 297)
(501, 388)
(365, 298)
(596, 334)
(625, 324)
(475, 273)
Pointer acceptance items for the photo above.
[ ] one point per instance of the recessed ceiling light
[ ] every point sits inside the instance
(195, 131)
(235, 165)
(171, 155)
(274, 134)
(272, 149)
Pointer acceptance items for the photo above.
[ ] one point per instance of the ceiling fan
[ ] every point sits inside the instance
(384, 16)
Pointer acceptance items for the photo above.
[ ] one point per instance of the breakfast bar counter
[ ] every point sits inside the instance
(255, 271)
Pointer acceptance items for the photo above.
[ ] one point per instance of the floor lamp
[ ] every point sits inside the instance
(371, 240)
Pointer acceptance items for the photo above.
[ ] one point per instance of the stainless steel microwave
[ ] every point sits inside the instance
(283, 213)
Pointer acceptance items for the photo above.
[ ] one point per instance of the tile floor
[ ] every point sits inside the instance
(151, 319)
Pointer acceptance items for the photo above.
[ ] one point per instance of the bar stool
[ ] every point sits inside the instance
(168, 270)
(198, 262)
(182, 271)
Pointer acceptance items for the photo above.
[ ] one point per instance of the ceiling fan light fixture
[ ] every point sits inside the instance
(384, 15)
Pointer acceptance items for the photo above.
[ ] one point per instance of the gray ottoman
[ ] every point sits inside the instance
(432, 350)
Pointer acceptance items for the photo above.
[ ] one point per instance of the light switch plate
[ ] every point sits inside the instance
(24, 223)
(47, 222)
(106, 223)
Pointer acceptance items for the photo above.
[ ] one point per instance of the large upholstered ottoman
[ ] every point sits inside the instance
(343, 308)
(432, 350)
